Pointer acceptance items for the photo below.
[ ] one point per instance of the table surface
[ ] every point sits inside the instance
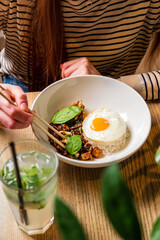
(80, 187)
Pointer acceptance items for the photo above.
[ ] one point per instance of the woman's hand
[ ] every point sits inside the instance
(79, 66)
(14, 117)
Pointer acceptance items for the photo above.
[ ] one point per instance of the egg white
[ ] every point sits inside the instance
(116, 129)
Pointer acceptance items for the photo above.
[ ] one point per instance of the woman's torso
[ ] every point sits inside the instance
(113, 34)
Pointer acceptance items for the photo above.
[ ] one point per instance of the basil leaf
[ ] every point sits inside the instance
(68, 224)
(155, 235)
(157, 155)
(118, 204)
(65, 114)
(74, 144)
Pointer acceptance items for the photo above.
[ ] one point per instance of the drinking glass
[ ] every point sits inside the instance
(38, 166)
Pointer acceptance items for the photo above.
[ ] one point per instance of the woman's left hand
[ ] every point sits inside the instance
(79, 66)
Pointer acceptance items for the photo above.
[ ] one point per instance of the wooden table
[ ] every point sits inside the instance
(80, 188)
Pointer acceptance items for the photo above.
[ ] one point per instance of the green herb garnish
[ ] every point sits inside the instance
(74, 144)
(66, 114)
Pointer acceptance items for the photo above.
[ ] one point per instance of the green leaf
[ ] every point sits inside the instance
(118, 204)
(155, 235)
(74, 144)
(31, 171)
(157, 155)
(31, 176)
(2, 173)
(66, 114)
(68, 223)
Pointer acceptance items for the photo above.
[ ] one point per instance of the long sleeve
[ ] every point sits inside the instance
(15, 21)
(146, 84)
(4, 6)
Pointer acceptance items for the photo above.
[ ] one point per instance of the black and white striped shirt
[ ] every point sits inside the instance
(112, 34)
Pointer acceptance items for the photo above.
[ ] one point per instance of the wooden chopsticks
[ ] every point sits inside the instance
(37, 124)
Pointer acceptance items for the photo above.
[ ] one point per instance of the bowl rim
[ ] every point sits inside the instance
(91, 163)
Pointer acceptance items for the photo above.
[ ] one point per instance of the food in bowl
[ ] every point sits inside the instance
(68, 121)
(105, 129)
(87, 137)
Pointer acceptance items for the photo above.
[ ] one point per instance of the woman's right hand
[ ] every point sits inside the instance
(13, 117)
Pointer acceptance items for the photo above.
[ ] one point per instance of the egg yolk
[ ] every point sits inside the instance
(99, 124)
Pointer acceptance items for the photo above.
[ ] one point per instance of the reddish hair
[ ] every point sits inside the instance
(47, 49)
(47, 44)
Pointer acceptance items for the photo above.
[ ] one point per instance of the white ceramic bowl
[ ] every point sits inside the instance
(97, 92)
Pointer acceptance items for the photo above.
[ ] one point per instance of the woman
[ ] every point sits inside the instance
(46, 40)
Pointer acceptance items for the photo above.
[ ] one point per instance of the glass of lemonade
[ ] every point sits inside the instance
(38, 165)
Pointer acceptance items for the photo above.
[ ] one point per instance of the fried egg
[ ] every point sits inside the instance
(104, 125)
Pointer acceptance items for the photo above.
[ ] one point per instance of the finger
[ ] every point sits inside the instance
(2, 87)
(68, 71)
(80, 71)
(19, 95)
(69, 67)
(15, 112)
(83, 70)
(69, 63)
(10, 123)
(80, 66)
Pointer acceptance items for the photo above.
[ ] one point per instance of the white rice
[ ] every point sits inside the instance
(111, 147)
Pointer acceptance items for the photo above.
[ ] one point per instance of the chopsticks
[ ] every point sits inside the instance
(37, 124)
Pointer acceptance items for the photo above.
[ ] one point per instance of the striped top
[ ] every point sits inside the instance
(112, 34)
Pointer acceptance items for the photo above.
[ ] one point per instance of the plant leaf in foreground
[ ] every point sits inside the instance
(68, 223)
(155, 235)
(157, 156)
(118, 204)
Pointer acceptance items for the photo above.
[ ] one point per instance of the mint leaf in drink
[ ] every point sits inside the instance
(31, 176)
(29, 182)
(47, 171)
(74, 144)
(35, 169)
(31, 171)
(1, 172)
(66, 114)
(8, 174)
